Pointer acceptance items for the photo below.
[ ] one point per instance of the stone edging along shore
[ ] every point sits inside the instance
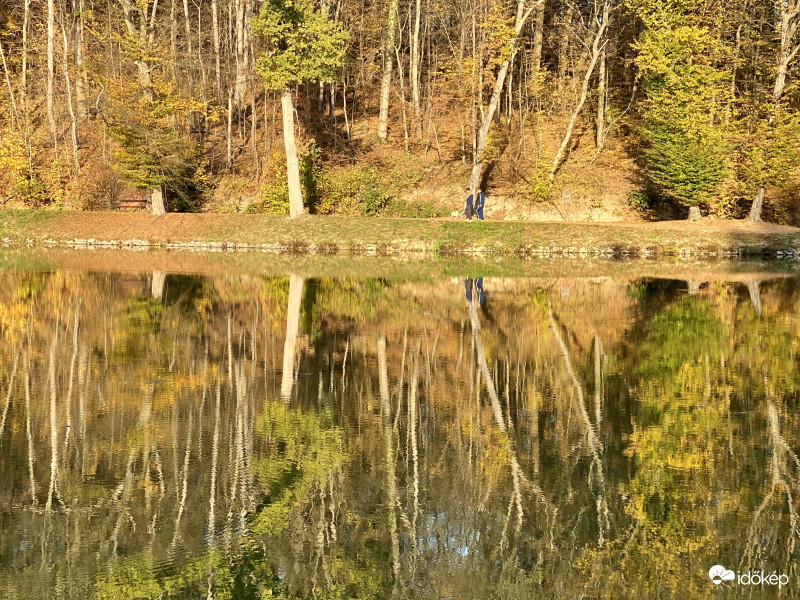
(419, 249)
(404, 238)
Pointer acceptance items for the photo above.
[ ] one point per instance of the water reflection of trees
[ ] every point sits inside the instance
(239, 437)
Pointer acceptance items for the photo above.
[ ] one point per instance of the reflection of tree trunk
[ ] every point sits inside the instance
(598, 381)
(755, 295)
(8, 394)
(53, 424)
(292, 329)
(412, 427)
(68, 402)
(157, 287)
(693, 287)
(591, 435)
(517, 475)
(32, 484)
(214, 458)
(184, 483)
(388, 442)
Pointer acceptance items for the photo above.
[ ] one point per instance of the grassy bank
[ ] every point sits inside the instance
(373, 235)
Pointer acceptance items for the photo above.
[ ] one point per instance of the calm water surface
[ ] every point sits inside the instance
(254, 437)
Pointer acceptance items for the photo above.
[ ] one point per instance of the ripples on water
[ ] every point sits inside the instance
(246, 437)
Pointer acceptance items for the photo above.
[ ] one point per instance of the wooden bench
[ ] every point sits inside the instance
(132, 205)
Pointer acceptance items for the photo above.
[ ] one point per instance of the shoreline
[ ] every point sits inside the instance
(411, 238)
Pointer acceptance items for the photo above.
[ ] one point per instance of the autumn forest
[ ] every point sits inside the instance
(395, 107)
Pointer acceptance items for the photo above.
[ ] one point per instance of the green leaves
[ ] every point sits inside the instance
(686, 112)
(301, 44)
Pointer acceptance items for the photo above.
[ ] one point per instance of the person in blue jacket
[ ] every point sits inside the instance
(480, 199)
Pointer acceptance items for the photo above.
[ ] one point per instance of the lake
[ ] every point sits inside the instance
(244, 435)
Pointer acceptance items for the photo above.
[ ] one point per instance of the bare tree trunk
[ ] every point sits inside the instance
(51, 119)
(538, 38)
(292, 162)
(14, 114)
(414, 72)
(758, 204)
(242, 53)
(187, 28)
(386, 79)
(68, 86)
(217, 57)
(145, 39)
(483, 133)
(787, 27)
(25, 21)
(563, 45)
(596, 49)
(79, 50)
(600, 120)
(292, 329)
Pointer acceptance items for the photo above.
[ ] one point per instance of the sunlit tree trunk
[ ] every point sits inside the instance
(414, 71)
(292, 329)
(79, 51)
(483, 134)
(11, 95)
(596, 50)
(292, 161)
(386, 79)
(538, 39)
(217, 49)
(68, 87)
(51, 119)
(600, 119)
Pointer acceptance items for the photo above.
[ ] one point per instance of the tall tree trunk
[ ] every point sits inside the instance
(386, 79)
(14, 115)
(787, 27)
(243, 8)
(483, 133)
(79, 49)
(595, 55)
(414, 72)
(538, 38)
(26, 13)
(187, 28)
(292, 162)
(292, 329)
(563, 46)
(217, 57)
(600, 120)
(51, 23)
(68, 87)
